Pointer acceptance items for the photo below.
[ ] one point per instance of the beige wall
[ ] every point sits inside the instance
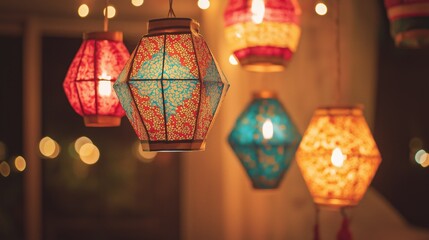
(218, 201)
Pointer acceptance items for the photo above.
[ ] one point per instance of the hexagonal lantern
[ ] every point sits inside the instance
(265, 140)
(172, 87)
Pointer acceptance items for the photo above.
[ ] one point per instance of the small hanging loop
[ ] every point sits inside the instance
(171, 11)
(106, 17)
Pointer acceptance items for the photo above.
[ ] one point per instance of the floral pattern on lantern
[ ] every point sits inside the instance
(89, 80)
(409, 22)
(265, 140)
(338, 156)
(172, 87)
(263, 34)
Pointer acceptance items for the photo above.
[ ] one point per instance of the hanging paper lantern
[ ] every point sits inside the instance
(265, 140)
(89, 80)
(409, 22)
(338, 156)
(263, 34)
(172, 87)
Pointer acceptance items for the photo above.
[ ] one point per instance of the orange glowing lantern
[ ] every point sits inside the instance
(338, 156)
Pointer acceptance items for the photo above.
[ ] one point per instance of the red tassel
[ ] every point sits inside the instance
(344, 233)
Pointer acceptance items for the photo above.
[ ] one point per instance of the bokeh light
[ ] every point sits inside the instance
(137, 3)
(4, 169)
(80, 142)
(89, 153)
(321, 9)
(141, 155)
(418, 155)
(111, 11)
(20, 163)
(424, 159)
(83, 10)
(233, 60)
(203, 4)
(49, 147)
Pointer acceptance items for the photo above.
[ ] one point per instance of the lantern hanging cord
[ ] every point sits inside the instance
(338, 49)
(316, 225)
(171, 11)
(344, 233)
(106, 17)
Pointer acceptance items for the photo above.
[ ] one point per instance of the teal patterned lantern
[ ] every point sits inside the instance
(265, 140)
(172, 87)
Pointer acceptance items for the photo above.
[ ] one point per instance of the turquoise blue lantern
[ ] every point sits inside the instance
(265, 140)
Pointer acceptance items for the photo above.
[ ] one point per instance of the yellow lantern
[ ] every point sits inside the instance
(338, 156)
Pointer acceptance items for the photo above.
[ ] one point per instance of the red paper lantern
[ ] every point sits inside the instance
(263, 34)
(89, 80)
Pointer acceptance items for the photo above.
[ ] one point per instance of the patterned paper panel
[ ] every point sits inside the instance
(86, 65)
(88, 99)
(110, 57)
(181, 105)
(148, 96)
(124, 95)
(204, 56)
(180, 62)
(69, 83)
(149, 58)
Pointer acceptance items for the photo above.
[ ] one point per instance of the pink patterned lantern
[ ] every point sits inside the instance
(89, 80)
(263, 34)
(172, 87)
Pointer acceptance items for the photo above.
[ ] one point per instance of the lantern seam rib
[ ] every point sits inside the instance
(95, 80)
(75, 81)
(200, 80)
(131, 92)
(162, 88)
(173, 33)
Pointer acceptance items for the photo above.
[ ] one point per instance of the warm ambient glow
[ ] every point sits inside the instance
(332, 134)
(137, 3)
(83, 10)
(321, 9)
(4, 169)
(89, 153)
(258, 11)
(49, 147)
(111, 12)
(337, 157)
(267, 129)
(233, 60)
(144, 156)
(104, 85)
(203, 4)
(80, 142)
(20, 163)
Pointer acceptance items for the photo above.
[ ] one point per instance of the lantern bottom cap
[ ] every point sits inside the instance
(173, 146)
(416, 38)
(102, 121)
(334, 203)
(263, 64)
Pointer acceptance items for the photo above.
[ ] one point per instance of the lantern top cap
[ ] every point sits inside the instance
(264, 94)
(356, 110)
(111, 36)
(172, 25)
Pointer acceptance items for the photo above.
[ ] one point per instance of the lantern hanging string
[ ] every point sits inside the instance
(106, 17)
(344, 232)
(338, 49)
(171, 13)
(316, 225)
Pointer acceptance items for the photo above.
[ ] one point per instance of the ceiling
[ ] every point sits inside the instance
(125, 10)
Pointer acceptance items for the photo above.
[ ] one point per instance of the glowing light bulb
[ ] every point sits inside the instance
(267, 129)
(337, 157)
(104, 85)
(83, 10)
(233, 60)
(111, 12)
(203, 4)
(258, 11)
(137, 3)
(321, 9)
